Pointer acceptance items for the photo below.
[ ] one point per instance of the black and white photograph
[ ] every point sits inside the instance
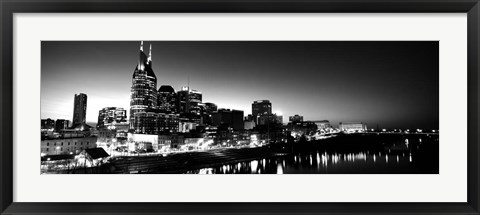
(239, 107)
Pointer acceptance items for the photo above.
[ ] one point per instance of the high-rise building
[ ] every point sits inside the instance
(237, 120)
(111, 115)
(261, 107)
(207, 110)
(195, 100)
(167, 99)
(79, 109)
(188, 101)
(61, 124)
(229, 118)
(144, 87)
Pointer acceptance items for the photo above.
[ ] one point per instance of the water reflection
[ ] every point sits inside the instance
(402, 156)
(308, 163)
(253, 165)
(280, 168)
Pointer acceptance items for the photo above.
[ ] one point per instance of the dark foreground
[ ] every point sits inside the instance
(344, 154)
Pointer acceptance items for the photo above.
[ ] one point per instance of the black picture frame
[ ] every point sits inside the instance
(9, 7)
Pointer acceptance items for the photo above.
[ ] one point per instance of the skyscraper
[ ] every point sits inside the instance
(188, 101)
(261, 107)
(144, 86)
(79, 109)
(167, 99)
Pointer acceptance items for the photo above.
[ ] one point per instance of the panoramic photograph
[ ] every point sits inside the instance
(239, 107)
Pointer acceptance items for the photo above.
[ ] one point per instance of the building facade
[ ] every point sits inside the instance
(323, 124)
(79, 109)
(150, 122)
(352, 127)
(265, 119)
(61, 124)
(261, 107)
(47, 124)
(208, 110)
(73, 145)
(229, 118)
(111, 115)
(167, 99)
(296, 118)
(144, 88)
(189, 101)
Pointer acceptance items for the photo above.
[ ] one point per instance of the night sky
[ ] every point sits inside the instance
(389, 84)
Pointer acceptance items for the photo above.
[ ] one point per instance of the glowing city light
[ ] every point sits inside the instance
(279, 169)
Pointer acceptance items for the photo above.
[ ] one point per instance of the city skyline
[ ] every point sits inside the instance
(393, 84)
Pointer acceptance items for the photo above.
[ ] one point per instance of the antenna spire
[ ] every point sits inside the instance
(150, 53)
(141, 46)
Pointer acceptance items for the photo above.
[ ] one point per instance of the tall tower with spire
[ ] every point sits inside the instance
(144, 86)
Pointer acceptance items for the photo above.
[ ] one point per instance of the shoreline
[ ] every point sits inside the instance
(176, 163)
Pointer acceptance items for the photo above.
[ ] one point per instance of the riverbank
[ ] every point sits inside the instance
(184, 162)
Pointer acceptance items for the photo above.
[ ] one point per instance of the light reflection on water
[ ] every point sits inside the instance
(309, 163)
(403, 155)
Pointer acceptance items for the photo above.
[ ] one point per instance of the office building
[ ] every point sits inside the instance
(261, 107)
(144, 89)
(155, 123)
(188, 101)
(228, 118)
(79, 109)
(167, 99)
(207, 110)
(110, 116)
